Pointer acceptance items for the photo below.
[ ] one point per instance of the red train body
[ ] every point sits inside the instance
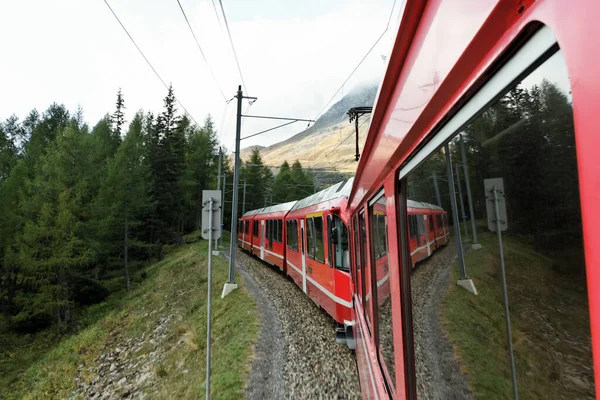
(454, 61)
(456, 66)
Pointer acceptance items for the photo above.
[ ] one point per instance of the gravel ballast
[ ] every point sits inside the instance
(438, 372)
(314, 365)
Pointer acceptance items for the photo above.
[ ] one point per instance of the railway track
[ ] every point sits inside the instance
(313, 365)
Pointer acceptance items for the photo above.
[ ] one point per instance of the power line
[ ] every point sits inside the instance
(351, 73)
(361, 61)
(232, 46)
(201, 52)
(342, 142)
(147, 61)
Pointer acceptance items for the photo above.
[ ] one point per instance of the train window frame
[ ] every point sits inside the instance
(292, 234)
(330, 260)
(537, 49)
(356, 255)
(375, 254)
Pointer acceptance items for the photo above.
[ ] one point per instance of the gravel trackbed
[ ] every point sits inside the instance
(296, 356)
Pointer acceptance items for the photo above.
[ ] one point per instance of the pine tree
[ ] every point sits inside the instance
(53, 245)
(118, 117)
(167, 170)
(124, 197)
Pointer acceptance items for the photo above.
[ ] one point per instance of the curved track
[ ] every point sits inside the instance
(314, 365)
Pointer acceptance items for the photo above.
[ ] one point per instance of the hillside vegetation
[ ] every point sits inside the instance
(151, 340)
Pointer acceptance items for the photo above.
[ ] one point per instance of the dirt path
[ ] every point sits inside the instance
(438, 372)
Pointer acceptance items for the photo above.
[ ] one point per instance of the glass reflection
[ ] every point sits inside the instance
(461, 351)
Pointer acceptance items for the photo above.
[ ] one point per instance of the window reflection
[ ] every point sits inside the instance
(381, 266)
(527, 139)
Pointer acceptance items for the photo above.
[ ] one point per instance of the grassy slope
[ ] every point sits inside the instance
(34, 369)
(553, 359)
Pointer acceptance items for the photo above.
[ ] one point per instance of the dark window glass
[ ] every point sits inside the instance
(319, 251)
(366, 276)
(280, 230)
(412, 226)
(330, 246)
(380, 265)
(357, 260)
(292, 234)
(255, 227)
(520, 156)
(310, 237)
(431, 229)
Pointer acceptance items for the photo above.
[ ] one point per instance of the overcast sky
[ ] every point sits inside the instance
(293, 55)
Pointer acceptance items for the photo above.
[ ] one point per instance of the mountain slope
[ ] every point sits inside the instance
(329, 142)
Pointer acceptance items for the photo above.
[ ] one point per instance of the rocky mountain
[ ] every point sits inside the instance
(329, 143)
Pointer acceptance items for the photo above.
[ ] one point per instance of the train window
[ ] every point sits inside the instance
(338, 243)
(330, 258)
(366, 271)
(357, 260)
(247, 227)
(430, 216)
(380, 265)
(319, 243)
(279, 230)
(292, 234)
(255, 227)
(412, 226)
(310, 237)
(517, 157)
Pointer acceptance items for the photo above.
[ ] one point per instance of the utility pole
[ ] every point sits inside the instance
(244, 199)
(230, 285)
(463, 279)
(219, 188)
(223, 204)
(437, 190)
(462, 203)
(463, 153)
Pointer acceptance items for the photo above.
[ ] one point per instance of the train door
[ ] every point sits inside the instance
(303, 254)
(262, 239)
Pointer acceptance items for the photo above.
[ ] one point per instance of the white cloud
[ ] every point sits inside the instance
(293, 58)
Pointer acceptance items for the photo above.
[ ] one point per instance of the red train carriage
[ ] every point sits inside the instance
(268, 233)
(508, 89)
(317, 250)
(427, 227)
(246, 230)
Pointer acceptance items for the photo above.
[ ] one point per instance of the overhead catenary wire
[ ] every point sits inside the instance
(201, 51)
(342, 142)
(233, 47)
(360, 62)
(148, 61)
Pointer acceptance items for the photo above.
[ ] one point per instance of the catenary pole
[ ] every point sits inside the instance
(244, 199)
(219, 188)
(230, 284)
(236, 182)
(468, 185)
(463, 217)
(223, 204)
(455, 219)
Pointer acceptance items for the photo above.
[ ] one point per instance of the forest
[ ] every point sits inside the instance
(82, 209)
(528, 139)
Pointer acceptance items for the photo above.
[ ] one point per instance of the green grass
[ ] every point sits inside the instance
(549, 317)
(45, 365)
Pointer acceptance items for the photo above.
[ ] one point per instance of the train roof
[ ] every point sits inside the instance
(340, 189)
(421, 204)
(271, 209)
